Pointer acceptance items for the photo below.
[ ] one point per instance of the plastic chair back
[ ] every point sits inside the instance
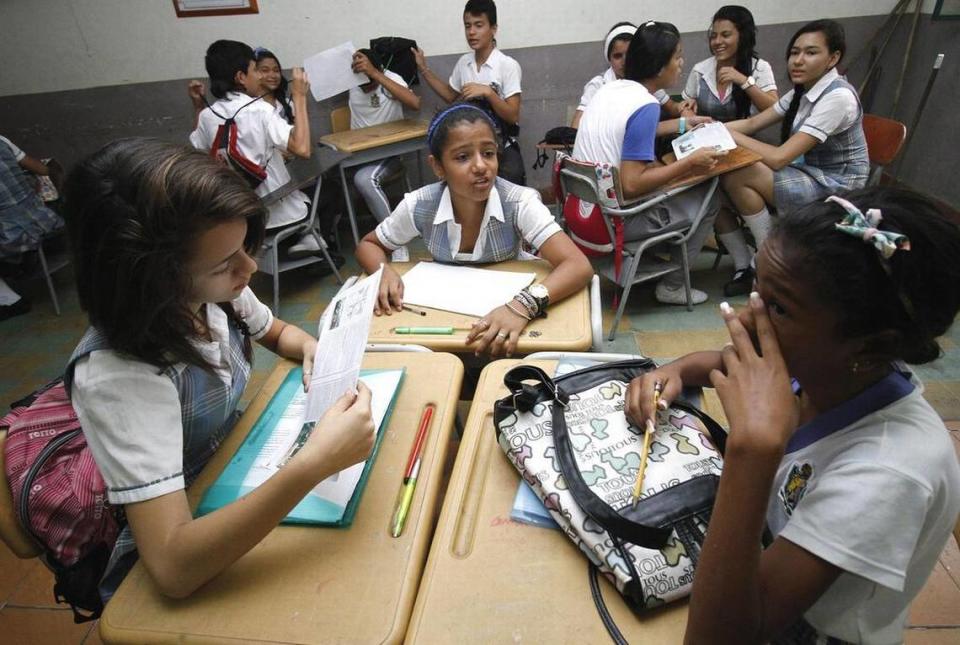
(885, 138)
(340, 119)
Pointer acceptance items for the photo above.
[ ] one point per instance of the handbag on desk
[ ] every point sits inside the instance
(572, 443)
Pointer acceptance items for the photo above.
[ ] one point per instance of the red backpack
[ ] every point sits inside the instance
(225, 149)
(59, 495)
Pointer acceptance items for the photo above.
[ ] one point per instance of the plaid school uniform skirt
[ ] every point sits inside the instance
(800, 183)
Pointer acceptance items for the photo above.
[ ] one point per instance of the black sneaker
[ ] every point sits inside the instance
(741, 284)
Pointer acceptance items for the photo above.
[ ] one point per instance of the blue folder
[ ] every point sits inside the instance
(312, 509)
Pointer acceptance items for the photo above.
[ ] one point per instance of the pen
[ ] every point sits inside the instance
(414, 310)
(442, 331)
(647, 436)
(405, 495)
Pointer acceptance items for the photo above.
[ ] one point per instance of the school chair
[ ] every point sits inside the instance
(580, 178)
(885, 138)
(11, 532)
(50, 265)
(269, 260)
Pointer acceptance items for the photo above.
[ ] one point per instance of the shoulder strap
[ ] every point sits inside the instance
(226, 119)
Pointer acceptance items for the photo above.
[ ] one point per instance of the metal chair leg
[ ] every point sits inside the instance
(276, 277)
(48, 278)
(326, 254)
(685, 262)
(625, 293)
(349, 203)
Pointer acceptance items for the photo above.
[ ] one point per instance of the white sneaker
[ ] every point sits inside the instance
(400, 255)
(677, 295)
(305, 246)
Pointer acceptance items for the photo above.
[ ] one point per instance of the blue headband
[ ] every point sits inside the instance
(435, 124)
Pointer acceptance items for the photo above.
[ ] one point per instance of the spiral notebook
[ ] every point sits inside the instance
(280, 432)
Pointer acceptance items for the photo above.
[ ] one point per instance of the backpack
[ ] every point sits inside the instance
(396, 56)
(225, 149)
(59, 495)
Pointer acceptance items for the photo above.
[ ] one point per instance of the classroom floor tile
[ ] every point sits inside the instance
(36, 626)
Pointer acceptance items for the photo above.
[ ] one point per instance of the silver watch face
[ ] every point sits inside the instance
(539, 291)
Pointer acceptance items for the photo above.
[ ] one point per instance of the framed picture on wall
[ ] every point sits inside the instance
(194, 8)
(947, 10)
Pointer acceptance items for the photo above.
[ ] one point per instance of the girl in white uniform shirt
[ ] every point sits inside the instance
(162, 237)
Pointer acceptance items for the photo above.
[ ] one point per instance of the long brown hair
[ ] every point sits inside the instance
(133, 210)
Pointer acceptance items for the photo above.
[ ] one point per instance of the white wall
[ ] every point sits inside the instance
(51, 45)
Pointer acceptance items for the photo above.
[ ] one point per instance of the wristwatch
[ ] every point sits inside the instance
(747, 84)
(541, 295)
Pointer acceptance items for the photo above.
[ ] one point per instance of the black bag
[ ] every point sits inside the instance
(394, 52)
(560, 136)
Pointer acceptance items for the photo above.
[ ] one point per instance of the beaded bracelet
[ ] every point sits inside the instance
(517, 311)
(529, 302)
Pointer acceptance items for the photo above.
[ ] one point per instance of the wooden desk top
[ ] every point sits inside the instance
(735, 159)
(566, 327)
(311, 584)
(376, 135)
(492, 580)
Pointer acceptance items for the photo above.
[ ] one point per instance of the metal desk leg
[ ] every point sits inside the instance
(419, 169)
(350, 213)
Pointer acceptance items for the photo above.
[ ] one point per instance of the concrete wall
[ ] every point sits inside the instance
(69, 124)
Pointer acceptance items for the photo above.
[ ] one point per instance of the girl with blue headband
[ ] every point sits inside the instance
(832, 445)
(472, 216)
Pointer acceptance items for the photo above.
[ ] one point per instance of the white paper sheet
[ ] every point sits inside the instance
(337, 488)
(464, 290)
(342, 339)
(329, 72)
(708, 135)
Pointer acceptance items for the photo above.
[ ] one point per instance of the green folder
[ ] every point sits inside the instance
(312, 509)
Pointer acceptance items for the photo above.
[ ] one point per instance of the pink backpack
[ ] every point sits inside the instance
(59, 495)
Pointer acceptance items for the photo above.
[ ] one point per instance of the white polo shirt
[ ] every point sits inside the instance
(603, 127)
(534, 221)
(835, 113)
(130, 411)
(707, 70)
(376, 106)
(260, 129)
(499, 71)
(609, 76)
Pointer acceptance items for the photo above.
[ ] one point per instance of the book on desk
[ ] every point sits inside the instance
(278, 434)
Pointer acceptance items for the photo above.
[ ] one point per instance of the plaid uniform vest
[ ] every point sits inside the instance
(501, 239)
(843, 153)
(208, 413)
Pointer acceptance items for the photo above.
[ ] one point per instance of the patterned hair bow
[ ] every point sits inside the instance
(865, 227)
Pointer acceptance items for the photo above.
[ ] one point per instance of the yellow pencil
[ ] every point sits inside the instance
(647, 436)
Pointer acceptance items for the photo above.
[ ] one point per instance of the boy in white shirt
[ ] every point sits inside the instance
(234, 80)
(380, 101)
(489, 77)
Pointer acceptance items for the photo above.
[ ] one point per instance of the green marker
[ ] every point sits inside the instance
(436, 331)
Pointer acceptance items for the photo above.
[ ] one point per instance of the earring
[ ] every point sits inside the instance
(855, 367)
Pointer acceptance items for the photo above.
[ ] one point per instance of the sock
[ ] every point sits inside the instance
(759, 224)
(736, 244)
(7, 295)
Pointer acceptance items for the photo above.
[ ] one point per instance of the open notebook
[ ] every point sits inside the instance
(276, 436)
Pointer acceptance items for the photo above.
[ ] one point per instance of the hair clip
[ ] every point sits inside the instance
(865, 227)
(257, 51)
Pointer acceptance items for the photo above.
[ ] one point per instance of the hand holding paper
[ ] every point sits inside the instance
(331, 71)
(709, 135)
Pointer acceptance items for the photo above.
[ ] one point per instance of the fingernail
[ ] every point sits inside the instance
(755, 299)
(726, 308)
(662, 404)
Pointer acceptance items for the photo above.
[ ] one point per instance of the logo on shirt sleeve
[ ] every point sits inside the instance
(795, 487)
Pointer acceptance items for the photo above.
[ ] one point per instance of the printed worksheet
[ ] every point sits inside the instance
(709, 135)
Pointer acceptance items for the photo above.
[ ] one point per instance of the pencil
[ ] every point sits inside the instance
(647, 436)
(414, 310)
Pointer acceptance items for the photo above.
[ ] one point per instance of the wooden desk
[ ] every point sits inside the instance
(310, 584)
(374, 143)
(737, 158)
(566, 327)
(492, 580)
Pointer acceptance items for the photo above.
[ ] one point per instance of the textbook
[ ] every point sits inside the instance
(280, 432)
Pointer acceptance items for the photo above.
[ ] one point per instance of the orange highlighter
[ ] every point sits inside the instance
(409, 485)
